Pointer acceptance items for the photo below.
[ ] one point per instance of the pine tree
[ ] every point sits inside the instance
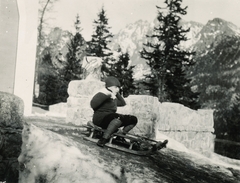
(98, 46)
(167, 61)
(226, 121)
(76, 51)
(49, 82)
(122, 70)
(233, 121)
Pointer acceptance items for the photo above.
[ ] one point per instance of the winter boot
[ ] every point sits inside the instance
(102, 142)
(112, 127)
(159, 145)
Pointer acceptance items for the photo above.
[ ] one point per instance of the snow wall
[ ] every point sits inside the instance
(190, 127)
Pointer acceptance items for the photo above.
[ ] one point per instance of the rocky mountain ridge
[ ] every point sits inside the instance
(213, 32)
(133, 37)
(201, 38)
(216, 73)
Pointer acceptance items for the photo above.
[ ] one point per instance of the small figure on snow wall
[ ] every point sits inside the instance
(105, 104)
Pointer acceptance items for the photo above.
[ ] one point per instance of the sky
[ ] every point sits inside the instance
(123, 12)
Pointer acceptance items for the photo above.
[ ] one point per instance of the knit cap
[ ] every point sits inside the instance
(112, 81)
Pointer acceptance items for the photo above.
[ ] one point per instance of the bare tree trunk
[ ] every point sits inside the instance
(161, 92)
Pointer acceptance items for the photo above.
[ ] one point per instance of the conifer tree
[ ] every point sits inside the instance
(167, 61)
(227, 122)
(98, 46)
(45, 73)
(76, 51)
(123, 70)
(233, 121)
(49, 81)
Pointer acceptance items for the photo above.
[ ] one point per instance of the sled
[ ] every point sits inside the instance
(134, 144)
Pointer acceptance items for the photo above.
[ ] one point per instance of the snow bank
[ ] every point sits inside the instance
(212, 158)
(49, 157)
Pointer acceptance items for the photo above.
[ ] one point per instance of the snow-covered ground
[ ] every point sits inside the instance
(50, 157)
(212, 158)
(172, 144)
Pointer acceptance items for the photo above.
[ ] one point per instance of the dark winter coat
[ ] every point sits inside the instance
(104, 103)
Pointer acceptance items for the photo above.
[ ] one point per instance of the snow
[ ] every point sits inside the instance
(213, 157)
(43, 113)
(139, 71)
(72, 164)
(57, 159)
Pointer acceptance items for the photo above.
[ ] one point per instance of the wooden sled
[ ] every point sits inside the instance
(133, 145)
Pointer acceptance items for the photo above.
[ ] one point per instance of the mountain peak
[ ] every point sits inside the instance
(213, 32)
(223, 25)
(217, 20)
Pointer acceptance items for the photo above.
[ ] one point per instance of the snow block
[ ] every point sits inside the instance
(193, 128)
(80, 93)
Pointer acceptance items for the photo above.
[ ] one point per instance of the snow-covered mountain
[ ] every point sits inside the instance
(201, 38)
(216, 73)
(131, 39)
(218, 47)
(133, 36)
(192, 35)
(213, 32)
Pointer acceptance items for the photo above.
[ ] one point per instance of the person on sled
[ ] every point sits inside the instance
(105, 104)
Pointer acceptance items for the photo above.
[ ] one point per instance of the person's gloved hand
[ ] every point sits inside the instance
(114, 93)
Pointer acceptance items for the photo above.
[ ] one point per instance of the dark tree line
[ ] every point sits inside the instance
(227, 122)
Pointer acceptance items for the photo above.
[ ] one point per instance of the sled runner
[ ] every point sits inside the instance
(133, 144)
